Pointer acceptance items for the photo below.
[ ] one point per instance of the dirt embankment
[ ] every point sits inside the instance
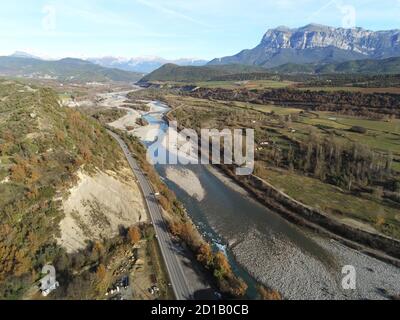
(98, 206)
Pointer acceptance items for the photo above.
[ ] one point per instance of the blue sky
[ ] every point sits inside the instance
(171, 28)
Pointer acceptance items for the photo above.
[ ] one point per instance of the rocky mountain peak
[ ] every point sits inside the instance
(320, 36)
(315, 43)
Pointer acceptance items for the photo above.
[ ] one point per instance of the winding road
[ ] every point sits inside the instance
(170, 252)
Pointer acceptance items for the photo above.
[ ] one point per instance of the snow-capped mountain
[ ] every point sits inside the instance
(22, 54)
(143, 64)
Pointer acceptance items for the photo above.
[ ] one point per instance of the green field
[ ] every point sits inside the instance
(392, 126)
(252, 84)
(267, 108)
(396, 166)
(364, 210)
(65, 96)
(381, 135)
(230, 84)
(314, 193)
(395, 90)
(324, 123)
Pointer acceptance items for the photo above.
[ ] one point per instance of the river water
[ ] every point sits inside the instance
(264, 247)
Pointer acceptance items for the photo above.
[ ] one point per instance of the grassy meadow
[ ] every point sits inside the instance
(286, 128)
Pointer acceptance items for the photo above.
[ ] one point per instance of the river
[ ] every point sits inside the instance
(264, 247)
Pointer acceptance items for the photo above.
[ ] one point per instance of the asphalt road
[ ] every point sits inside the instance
(170, 252)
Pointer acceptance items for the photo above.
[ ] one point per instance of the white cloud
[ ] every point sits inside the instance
(171, 12)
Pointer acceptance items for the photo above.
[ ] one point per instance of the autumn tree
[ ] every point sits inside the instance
(32, 193)
(236, 286)
(175, 228)
(165, 204)
(60, 136)
(205, 255)
(134, 235)
(18, 172)
(269, 294)
(34, 175)
(85, 152)
(101, 272)
(221, 265)
(97, 251)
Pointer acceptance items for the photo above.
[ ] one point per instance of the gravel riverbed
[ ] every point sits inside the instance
(273, 259)
(282, 266)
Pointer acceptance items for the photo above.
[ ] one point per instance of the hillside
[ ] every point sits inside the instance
(65, 70)
(258, 56)
(317, 44)
(172, 72)
(59, 173)
(385, 66)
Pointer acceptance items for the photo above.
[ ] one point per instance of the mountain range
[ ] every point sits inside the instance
(143, 64)
(171, 72)
(68, 70)
(310, 49)
(317, 44)
(22, 54)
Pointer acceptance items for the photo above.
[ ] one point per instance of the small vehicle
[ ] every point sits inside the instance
(125, 282)
(218, 295)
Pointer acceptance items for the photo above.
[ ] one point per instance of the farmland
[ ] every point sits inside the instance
(250, 84)
(282, 133)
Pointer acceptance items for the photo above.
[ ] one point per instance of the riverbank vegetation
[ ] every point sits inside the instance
(105, 116)
(317, 157)
(182, 227)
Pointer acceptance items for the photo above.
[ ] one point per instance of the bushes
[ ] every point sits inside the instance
(221, 266)
(233, 286)
(269, 294)
(84, 274)
(101, 272)
(358, 129)
(216, 262)
(134, 235)
(228, 282)
(164, 202)
(18, 172)
(180, 226)
(43, 163)
(186, 232)
(205, 255)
